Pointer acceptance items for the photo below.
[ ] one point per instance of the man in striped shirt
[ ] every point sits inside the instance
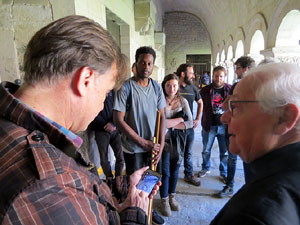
(70, 65)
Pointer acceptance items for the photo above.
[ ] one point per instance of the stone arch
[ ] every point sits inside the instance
(289, 30)
(217, 58)
(257, 44)
(282, 10)
(228, 43)
(239, 51)
(257, 23)
(238, 42)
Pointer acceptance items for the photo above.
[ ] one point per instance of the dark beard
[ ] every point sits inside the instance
(187, 81)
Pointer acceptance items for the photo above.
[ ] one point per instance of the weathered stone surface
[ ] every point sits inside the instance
(5, 17)
(31, 2)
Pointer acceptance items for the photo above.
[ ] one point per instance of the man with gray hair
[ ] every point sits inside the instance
(70, 65)
(263, 118)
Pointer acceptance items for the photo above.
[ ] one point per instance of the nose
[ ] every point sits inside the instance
(226, 117)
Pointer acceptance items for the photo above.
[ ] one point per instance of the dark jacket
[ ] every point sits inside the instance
(106, 115)
(272, 197)
(206, 95)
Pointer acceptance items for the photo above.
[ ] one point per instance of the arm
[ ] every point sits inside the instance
(189, 123)
(174, 122)
(199, 112)
(129, 132)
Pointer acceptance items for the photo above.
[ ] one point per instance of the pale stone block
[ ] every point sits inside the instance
(31, 2)
(30, 13)
(62, 8)
(5, 17)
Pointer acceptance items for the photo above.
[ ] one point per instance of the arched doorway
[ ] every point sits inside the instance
(257, 44)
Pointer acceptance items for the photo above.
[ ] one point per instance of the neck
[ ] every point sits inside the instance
(47, 100)
(182, 83)
(142, 81)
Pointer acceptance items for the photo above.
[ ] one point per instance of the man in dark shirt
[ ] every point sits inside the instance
(213, 97)
(107, 134)
(185, 72)
(263, 118)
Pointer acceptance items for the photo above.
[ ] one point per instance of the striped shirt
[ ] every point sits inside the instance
(44, 179)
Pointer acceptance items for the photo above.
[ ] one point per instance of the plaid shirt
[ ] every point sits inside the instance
(44, 180)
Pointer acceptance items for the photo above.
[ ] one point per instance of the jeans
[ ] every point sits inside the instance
(136, 161)
(231, 169)
(104, 139)
(170, 169)
(188, 153)
(231, 165)
(208, 140)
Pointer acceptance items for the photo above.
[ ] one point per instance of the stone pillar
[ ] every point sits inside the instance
(160, 43)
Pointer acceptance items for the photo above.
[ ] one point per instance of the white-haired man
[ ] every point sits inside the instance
(263, 121)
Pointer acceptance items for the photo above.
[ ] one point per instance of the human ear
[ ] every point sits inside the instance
(287, 119)
(82, 80)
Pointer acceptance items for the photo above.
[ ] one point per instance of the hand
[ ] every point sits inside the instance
(135, 198)
(196, 122)
(148, 145)
(109, 127)
(157, 154)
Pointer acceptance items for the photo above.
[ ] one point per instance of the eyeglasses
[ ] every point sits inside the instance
(231, 103)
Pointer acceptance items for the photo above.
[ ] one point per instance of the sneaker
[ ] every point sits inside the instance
(173, 203)
(192, 180)
(223, 179)
(157, 219)
(165, 208)
(202, 173)
(226, 192)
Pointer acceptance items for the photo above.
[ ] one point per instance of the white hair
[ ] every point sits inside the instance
(278, 85)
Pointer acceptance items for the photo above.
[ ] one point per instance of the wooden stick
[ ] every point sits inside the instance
(153, 167)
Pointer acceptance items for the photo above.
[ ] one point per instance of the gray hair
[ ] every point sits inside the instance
(278, 85)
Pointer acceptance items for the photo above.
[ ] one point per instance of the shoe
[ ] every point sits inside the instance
(165, 207)
(173, 203)
(226, 192)
(157, 219)
(223, 179)
(192, 180)
(203, 173)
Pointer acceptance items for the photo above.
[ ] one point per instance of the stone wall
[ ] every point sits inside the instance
(185, 34)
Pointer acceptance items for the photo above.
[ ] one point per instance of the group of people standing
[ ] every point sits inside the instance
(134, 112)
(71, 65)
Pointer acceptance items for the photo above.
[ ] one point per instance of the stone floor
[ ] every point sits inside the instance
(198, 204)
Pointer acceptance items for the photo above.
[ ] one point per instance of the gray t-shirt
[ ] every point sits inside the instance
(141, 114)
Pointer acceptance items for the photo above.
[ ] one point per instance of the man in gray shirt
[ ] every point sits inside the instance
(135, 108)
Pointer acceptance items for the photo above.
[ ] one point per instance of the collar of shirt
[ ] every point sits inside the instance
(14, 110)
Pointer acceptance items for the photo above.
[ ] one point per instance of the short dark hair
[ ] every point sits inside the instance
(245, 61)
(68, 44)
(144, 50)
(219, 68)
(183, 68)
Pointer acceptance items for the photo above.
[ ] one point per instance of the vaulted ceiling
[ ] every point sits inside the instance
(219, 16)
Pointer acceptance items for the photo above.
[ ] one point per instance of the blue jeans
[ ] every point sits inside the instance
(231, 165)
(188, 153)
(170, 168)
(231, 169)
(208, 139)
